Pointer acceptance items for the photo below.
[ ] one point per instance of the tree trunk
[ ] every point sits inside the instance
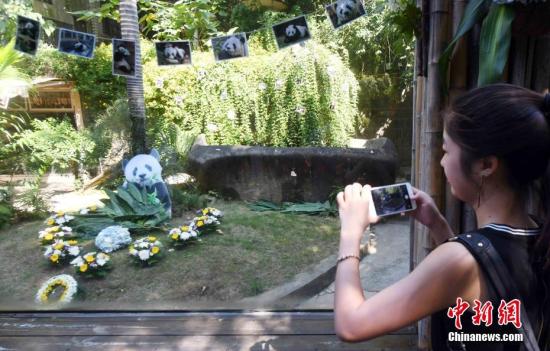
(134, 85)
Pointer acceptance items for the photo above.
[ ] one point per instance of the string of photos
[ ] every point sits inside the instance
(170, 53)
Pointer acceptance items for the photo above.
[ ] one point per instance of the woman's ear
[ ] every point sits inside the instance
(487, 166)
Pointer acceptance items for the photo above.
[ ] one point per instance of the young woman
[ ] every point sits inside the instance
(496, 145)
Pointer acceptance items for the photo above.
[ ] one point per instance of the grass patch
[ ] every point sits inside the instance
(257, 251)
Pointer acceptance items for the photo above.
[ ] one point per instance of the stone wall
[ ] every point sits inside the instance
(290, 174)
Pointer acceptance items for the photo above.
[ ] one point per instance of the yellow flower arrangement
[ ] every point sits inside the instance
(63, 281)
(146, 250)
(59, 218)
(61, 250)
(92, 264)
(207, 220)
(48, 235)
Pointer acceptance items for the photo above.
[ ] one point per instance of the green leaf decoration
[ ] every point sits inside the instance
(129, 207)
(494, 43)
(472, 14)
(263, 205)
(311, 208)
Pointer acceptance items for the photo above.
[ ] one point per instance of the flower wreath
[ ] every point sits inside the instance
(67, 282)
(146, 250)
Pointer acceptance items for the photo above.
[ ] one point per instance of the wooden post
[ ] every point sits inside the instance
(458, 84)
(430, 173)
(78, 117)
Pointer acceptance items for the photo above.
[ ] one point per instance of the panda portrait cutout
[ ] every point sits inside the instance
(230, 47)
(291, 32)
(124, 57)
(173, 53)
(144, 171)
(76, 43)
(343, 12)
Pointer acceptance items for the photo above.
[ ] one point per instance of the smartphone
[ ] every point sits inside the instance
(391, 199)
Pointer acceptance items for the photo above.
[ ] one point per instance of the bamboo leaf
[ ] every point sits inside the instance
(133, 190)
(472, 14)
(494, 43)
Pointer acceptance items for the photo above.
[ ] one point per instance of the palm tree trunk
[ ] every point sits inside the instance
(134, 86)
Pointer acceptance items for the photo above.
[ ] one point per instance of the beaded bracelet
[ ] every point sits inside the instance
(345, 257)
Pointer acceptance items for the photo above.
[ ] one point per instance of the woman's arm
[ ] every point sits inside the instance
(448, 272)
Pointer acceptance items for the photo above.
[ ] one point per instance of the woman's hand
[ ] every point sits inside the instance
(427, 213)
(353, 207)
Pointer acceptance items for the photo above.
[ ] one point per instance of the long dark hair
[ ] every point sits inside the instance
(511, 123)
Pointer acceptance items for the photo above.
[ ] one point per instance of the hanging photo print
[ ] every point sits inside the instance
(173, 53)
(291, 32)
(76, 43)
(124, 58)
(343, 12)
(28, 33)
(230, 46)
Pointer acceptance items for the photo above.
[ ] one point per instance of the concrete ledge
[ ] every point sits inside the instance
(303, 286)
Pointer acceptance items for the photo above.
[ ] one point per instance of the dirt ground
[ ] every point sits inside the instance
(256, 251)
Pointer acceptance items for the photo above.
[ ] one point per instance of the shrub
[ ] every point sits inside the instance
(295, 97)
(93, 78)
(53, 143)
(6, 208)
(111, 134)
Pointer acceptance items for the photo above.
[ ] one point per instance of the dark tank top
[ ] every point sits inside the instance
(516, 247)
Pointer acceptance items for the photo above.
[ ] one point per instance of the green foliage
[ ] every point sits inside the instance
(93, 78)
(31, 198)
(494, 40)
(6, 209)
(186, 199)
(9, 9)
(162, 20)
(130, 207)
(295, 97)
(52, 143)
(173, 144)
(110, 133)
(8, 58)
(379, 54)
(407, 18)
(10, 126)
(494, 43)
(192, 20)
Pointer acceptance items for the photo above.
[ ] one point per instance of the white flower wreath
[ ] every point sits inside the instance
(67, 282)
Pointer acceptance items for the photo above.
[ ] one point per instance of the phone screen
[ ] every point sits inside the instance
(391, 199)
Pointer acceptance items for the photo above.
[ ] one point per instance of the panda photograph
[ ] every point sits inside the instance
(344, 11)
(76, 43)
(173, 53)
(28, 33)
(291, 32)
(124, 58)
(230, 47)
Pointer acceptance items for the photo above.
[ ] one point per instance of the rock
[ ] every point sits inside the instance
(293, 174)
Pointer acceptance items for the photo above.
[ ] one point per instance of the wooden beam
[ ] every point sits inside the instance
(300, 330)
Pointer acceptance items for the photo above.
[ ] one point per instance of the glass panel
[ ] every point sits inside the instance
(251, 145)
